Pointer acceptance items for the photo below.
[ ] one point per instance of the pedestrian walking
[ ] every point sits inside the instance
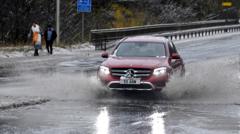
(36, 37)
(50, 35)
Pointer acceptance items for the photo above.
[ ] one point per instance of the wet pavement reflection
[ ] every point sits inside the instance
(102, 123)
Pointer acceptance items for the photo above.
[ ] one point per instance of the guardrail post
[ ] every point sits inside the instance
(225, 30)
(101, 46)
(105, 44)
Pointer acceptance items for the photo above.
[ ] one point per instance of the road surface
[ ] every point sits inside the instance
(206, 101)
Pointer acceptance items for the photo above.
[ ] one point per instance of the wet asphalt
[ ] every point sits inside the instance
(205, 101)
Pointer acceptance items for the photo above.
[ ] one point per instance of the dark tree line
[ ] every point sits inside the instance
(16, 16)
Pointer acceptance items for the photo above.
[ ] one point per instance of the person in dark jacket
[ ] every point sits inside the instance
(50, 35)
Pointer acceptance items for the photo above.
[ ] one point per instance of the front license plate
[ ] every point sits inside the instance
(133, 81)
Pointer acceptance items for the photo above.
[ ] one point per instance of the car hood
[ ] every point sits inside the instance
(123, 62)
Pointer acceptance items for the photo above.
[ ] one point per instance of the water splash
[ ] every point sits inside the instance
(209, 81)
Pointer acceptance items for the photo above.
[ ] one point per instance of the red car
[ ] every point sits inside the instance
(140, 63)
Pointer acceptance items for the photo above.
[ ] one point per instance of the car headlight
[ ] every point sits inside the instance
(160, 71)
(104, 70)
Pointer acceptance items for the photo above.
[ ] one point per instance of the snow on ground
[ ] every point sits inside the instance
(85, 46)
(8, 102)
(28, 51)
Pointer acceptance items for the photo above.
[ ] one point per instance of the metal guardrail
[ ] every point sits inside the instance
(200, 32)
(101, 37)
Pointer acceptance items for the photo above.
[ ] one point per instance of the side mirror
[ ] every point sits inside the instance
(176, 56)
(105, 55)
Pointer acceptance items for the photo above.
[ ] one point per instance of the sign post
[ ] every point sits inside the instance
(84, 6)
(58, 21)
(83, 27)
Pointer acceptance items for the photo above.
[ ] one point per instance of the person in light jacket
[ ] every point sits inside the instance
(36, 37)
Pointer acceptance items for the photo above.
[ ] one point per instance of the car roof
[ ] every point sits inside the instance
(145, 38)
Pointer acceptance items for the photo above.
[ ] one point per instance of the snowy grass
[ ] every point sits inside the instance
(12, 51)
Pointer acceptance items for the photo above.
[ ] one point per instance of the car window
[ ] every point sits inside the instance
(140, 49)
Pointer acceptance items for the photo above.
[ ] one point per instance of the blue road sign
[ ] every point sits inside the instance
(84, 6)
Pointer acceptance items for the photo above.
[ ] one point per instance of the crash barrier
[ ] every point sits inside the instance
(100, 38)
(201, 32)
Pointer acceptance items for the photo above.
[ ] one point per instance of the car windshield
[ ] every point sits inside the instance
(140, 49)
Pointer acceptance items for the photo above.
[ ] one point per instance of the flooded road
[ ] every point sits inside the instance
(206, 101)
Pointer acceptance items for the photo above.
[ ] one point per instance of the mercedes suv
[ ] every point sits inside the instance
(140, 63)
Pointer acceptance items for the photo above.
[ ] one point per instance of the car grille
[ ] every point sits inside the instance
(138, 73)
(120, 86)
